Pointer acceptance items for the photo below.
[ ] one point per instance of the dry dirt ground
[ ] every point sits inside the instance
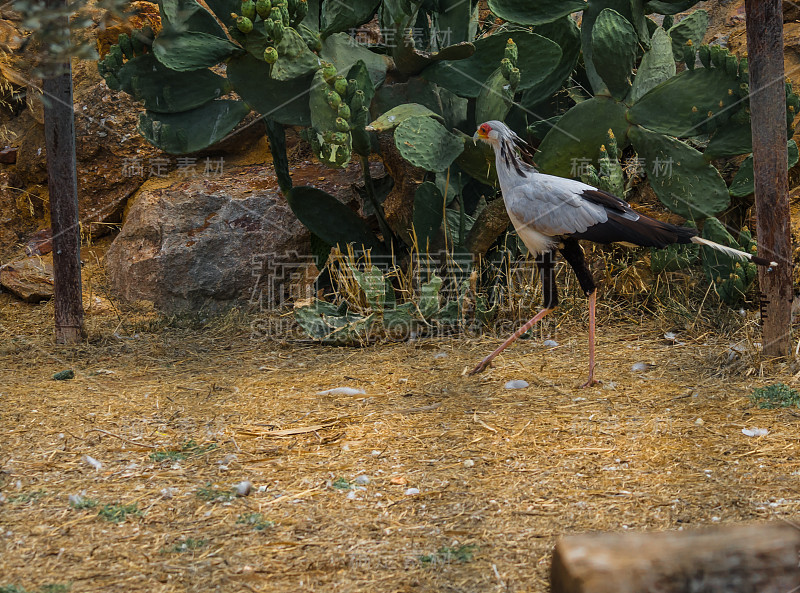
(468, 484)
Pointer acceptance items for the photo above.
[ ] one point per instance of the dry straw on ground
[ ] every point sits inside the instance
(179, 411)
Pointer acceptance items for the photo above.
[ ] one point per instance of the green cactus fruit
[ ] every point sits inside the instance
(505, 67)
(717, 56)
(352, 87)
(329, 72)
(514, 77)
(342, 125)
(731, 65)
(270, 55)
(334, 99)
(277, 31)
(284, 14)
(689, 55)
(124, 42)
(511, 51)
(275, 13)
(249, 9)
(344, 111)
(340, 85)
(704, 53)
(359, 100)
(263, 8)
(244, 24)
(269, 27)
(744, 71)
(613, 148)
(114, 58)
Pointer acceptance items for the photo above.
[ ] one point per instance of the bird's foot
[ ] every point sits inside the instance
(590, 383)
(482, 366)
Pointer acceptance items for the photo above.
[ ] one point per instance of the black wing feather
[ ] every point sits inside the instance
(622, 228)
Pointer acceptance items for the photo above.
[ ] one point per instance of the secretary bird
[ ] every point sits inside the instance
(552, 213)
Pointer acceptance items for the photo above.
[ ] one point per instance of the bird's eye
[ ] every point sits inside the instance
(485, 128)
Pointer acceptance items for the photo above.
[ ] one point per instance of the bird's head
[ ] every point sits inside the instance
(505, 142)
(493, 132)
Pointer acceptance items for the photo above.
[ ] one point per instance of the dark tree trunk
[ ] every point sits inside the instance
(768, 120)
(59, 130)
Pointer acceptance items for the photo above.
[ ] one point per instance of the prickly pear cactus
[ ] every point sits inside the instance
(608, 175)
(675, 257)
(732, 278)
(497, 94)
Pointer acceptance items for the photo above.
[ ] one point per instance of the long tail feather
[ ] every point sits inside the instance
(730, 251)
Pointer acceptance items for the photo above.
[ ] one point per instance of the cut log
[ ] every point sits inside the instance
(740, 559)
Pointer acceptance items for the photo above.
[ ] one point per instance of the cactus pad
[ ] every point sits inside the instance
(426, 143)
(683, 181)
(614, 38)
(190, 131)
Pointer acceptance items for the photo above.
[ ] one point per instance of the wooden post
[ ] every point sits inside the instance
(62, 183)
(768, 121)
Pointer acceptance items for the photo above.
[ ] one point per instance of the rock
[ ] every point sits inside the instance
(8, 156)
(30, 279)
(40, 243)
(205, 242)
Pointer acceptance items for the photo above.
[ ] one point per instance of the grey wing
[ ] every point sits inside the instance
(554, 206)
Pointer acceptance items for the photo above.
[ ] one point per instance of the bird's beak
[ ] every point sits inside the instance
(480, 135)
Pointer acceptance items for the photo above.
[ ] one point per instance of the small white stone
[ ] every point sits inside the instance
(412, 491)
(362, 480)
(640, 367)
(243, 488)
(516, 384)
(341, 391)
(755, 432)
(93, 462)
(550, 343)
(440, 355)
(468, 463)
(699, 422)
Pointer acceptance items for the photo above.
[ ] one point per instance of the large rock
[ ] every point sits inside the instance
(29, 279)
(205, 242)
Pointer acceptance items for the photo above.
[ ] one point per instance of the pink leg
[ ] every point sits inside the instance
(592, 303)
(486, 361)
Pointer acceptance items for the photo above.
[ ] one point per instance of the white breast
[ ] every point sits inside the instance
(535, 241)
